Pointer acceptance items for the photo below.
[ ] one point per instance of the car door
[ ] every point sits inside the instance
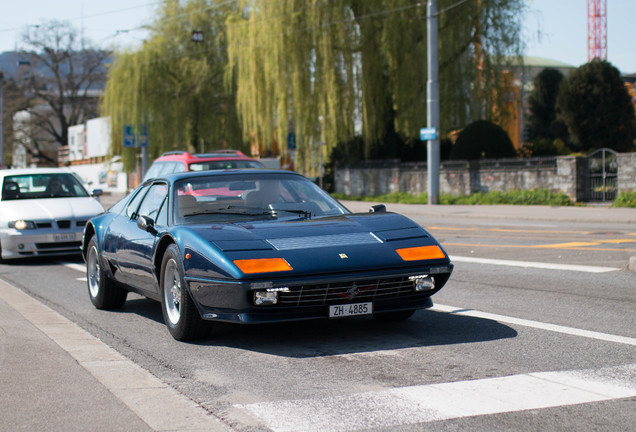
(135, 247)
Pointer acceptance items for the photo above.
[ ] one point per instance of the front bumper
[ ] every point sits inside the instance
(310, 298)
(20, 244)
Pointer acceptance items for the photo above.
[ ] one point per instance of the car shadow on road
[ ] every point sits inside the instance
(319, 338)
(347, 336)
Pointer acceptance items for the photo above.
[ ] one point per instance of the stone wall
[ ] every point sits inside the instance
(562, 173)
(626, 172)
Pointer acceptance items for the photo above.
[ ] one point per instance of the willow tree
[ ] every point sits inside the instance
(174, 83)
(333, 69)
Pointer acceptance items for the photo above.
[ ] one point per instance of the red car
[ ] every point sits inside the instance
(179, 161)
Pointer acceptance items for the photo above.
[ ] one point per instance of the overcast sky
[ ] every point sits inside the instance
(555, 29)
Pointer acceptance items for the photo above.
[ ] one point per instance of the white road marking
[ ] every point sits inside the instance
(530, 264)
(434, 402)
(74, 266)
(536, 324)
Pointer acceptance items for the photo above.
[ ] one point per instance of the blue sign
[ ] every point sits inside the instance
(428, 134)
(291, 141)
(135, 136)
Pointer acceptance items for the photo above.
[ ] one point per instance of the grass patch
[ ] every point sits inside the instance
(524, 197)
(625, 199)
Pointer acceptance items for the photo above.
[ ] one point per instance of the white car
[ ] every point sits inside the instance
(43, 211)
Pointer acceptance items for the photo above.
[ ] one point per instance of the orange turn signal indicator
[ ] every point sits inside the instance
(262, 265)
(421, 253)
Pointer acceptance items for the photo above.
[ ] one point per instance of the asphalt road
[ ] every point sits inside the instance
(536, 330)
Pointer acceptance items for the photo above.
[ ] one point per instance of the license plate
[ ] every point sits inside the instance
(338, 311)
(64, 237)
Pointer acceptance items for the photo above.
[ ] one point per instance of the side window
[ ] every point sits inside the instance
(131, 210)
(162, 217)
(154, 200)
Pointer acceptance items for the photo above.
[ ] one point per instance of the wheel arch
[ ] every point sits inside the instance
(164, 242)
(89, 232)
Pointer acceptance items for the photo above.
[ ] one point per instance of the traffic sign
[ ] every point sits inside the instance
(291, 141)
(428, 134)
(135, 136)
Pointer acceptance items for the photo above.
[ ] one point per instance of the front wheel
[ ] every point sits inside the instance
(179, 311)
(103, 292)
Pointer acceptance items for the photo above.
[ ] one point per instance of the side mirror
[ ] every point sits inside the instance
(378, 208)
(97, 192)
(146, 223)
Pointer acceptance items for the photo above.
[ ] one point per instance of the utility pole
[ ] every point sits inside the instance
(432, 102)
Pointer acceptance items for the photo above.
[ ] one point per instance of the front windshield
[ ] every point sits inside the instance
(234, 198)
(37, 186)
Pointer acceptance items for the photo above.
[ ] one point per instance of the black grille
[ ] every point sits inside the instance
(347, 292)
(60, 245)
(44, 224)
(80, 223)
(64, 224)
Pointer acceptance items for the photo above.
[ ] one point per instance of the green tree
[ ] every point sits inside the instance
(336, 68)
(542, 104)
(174, 85)
(482, 139)
(596, 108)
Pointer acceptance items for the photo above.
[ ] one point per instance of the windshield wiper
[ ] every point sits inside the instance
(305, 213)
(231, 211)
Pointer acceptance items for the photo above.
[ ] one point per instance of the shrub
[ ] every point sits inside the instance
(524, 197)
(625, 199)
(482, 139)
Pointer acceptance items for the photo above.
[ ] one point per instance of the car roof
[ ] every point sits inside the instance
(224, 154)
(234, 172)
(26, 171)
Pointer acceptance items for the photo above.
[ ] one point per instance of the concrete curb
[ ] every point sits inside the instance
(157, 404)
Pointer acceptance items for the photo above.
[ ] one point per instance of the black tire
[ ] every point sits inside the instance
(103, 292)
(179, 311)
(394, 316)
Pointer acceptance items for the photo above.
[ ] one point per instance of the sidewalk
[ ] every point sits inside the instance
(54, 376)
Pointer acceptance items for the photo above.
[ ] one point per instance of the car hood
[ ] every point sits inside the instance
(355, 242)
(50, 208)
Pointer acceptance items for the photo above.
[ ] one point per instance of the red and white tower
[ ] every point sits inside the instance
(596, 30)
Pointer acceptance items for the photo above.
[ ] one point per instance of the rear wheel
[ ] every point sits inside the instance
(394, 316)
(179, 311)
(103, 292)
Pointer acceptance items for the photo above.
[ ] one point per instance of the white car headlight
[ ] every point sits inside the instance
(22, 224)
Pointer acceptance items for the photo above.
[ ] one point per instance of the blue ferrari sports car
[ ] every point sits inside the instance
(254, 246)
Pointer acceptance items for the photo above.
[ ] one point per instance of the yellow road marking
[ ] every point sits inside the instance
(566, 245)
(510, 230)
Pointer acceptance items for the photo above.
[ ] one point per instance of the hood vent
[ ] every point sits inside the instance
(292, 243)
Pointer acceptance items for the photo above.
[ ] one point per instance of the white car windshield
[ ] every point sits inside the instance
(41, 185)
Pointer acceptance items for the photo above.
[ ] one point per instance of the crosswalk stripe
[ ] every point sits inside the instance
(444, 401)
